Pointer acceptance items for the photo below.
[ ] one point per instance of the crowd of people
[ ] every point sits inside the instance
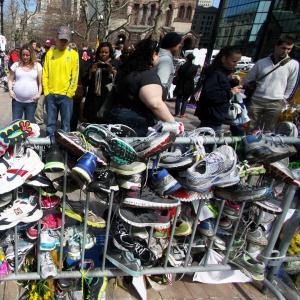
(116, 85)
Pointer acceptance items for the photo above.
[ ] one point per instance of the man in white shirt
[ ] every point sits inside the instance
(273, 92)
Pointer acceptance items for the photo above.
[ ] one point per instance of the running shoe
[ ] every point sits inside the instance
(71, 185)
(257, 236)
(176, 161)
(40, 180)
(185, 195)
(153, 144)
(49, 240)
(120, 130)
(206, 227)
(22, 210)
(263, 149)
(75, 143)
(49, 202)
(140, 217)
(131, 182)
(16, 132)
(128, 170)
(183, 228)
(85, 167)
(48, 268)
(104, 182)
(148, 199)
(115, 148)
(269, 207)
(231, 210)
(216, 169)
(287, 129)
(54, 160)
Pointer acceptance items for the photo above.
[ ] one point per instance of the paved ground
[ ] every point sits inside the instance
(5, 108)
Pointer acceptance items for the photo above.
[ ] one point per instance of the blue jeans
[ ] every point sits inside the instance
(54, 105)
(181, 101)
(19, 108)
(130, 118)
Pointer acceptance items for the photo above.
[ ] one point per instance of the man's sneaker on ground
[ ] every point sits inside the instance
(85, 167)
(141, 217)
(103, 182)
(130, 169)
(259, 148)
(184, 195)
(153, 144)
(216, 169)
(49, 222)
(22, 210)
(163, 183)
(243, 193)
(75, 210)
(124, 260)
(147, 199)
(49, 240)
(48, 268)
(250, 266)
(206, 227)
(54, 160)
(286, 129)
(76, 144)
(280, 171)
(115, 148)
(257, 236)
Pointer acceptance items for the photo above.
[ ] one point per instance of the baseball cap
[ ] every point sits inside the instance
(64, 33)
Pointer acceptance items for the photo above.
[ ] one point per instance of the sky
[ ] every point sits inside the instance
(216, 3)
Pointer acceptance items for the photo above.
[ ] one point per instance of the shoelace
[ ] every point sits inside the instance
(139, 249)
(87, 145)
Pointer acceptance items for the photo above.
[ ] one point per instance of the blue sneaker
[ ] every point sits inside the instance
(49, 240)
(206, 227)
(85, 167)
(163, 183)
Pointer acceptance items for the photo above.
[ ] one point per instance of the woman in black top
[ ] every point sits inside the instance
(184, 85)
(101, 74)
(138, 91)
(214, 102)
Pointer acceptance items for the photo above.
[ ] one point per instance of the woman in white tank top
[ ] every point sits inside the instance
(25, 85)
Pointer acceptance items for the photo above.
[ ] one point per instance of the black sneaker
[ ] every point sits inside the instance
(140, 217)
(72, 184)
(130, 182)
(105, 182)
(242, 193)
(124, 260)
(264, 149)
(54, 160)
(123, 241)
(149, 200)
(40, 180)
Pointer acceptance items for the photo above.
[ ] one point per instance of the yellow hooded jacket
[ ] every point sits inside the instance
(60, 72)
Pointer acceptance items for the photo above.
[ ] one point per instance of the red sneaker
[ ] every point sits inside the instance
(50, 201)
(188, 196)
(51, 221)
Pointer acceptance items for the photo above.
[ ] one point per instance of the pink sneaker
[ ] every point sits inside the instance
(51, 221)
(50, 201)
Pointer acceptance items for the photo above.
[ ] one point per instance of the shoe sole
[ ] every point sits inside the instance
(281, 175)
(135, 202)
(274, 209)
(16, 132)
(49, 276)
(54, 166)
(177, 166)
(184, 233)
(78, 218)
(145, 224)
(123, 267)
(242, 268)
(134, 171)
(82, 174)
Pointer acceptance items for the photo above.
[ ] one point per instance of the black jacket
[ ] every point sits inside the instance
(185, 79)
(215, 96)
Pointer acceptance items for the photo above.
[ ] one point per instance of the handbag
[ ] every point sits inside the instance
(234, 110)
(250, 87)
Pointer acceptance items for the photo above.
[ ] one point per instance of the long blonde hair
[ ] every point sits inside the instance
(32, 54)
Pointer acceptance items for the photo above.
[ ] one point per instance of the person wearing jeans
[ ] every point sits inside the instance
(60, 78)
(25, 85)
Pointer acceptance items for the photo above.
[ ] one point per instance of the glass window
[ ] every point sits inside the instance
(264, 6)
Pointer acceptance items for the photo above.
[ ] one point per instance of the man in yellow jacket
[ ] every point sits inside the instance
(60, 78)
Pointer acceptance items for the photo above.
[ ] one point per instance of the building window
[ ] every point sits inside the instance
(181, 12)
(189, 13)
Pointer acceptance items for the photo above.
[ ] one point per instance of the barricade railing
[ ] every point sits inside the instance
(185, 268)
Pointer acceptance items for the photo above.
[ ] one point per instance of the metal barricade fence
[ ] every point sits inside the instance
(185, 268)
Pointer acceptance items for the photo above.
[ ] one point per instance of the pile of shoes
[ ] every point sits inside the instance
(156, 189)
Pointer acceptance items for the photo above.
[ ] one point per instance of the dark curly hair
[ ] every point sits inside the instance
(102, 45)
(141, 58)
(226, 51)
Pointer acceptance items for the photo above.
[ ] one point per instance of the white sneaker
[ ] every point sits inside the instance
(16, 169)
(22, 210)
(48, 269)
(49, 240)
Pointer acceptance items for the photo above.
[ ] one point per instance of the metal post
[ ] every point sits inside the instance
(1, 16)
(85, 227)
(286, 203)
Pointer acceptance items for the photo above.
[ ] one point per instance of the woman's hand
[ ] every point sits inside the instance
(235, 90)
(36, 98)
(12, 94)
